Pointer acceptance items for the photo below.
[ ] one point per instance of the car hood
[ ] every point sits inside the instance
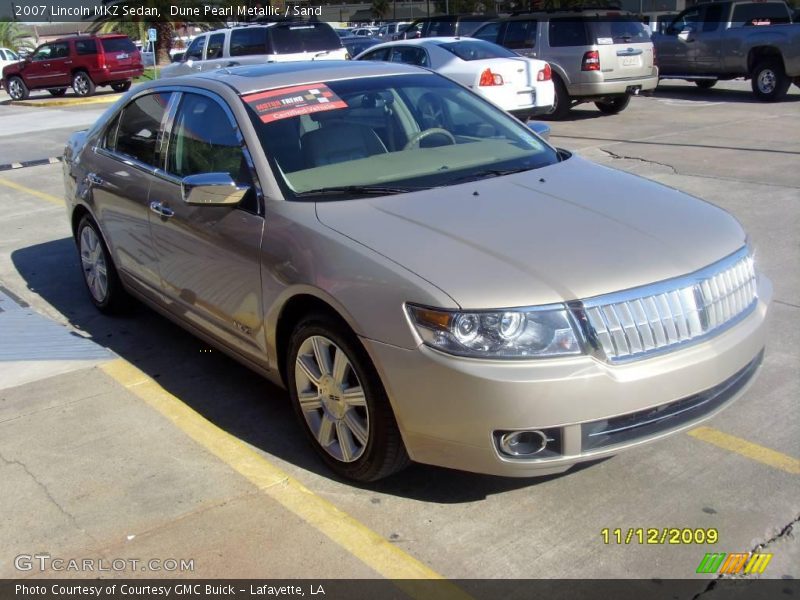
(568, 231)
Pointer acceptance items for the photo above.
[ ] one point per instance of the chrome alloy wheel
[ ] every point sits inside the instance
(81, 84)
(767, 81)
(331, 399)
(93, 262)
(15, 89)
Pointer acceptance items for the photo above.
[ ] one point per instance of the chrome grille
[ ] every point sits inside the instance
(637, 322)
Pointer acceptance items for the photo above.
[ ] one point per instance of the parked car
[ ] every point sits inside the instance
(356, 45)
(392, 31)
(463, 295)
(522, 86)
(725, 40)
(597, 56)
(8, 57)
(284, 41)
(445, 25)
(364, 31)
(84, 62)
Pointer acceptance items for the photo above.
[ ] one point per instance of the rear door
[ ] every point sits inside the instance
(624, 46)
(119, 177)
(209, 257)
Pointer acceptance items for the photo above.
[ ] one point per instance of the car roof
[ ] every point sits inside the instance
(255, 78)
(90, 36)
(428, 41)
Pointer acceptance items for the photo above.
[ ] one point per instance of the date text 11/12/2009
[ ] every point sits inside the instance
(660, 535)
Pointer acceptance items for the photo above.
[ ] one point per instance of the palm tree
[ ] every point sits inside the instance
(14, 36)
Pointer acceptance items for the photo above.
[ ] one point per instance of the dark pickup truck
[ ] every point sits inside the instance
(726, 40)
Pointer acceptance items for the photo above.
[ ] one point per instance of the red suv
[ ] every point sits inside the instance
(83, 62)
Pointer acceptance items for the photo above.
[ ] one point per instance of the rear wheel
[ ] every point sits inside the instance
(57, 92)
(613, 106)
(123, 86)
(769, 81)
(82, 84)
(562, 103)
(17, 88)
(340, 401)
(99, 274)
(705, 84)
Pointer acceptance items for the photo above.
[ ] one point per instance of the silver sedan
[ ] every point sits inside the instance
(442, 286)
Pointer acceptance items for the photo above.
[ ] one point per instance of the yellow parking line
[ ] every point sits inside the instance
(369, 547)
(750, 450)
(22, 188)
(107, 99)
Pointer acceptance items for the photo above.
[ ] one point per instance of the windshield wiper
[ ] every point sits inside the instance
(338, 190)
(490, 173)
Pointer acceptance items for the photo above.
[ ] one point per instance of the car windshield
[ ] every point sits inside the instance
(303, 37)
(618, 29)
(389, 134)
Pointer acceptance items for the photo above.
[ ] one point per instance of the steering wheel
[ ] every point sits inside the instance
(421, 135)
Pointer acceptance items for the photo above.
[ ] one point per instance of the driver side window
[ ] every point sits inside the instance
(195, 50)
(687, 21)
(43, 53)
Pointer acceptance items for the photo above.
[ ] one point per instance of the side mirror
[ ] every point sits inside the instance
(539, 128)
(212, 189)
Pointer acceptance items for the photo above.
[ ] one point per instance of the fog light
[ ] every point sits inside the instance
(523, 443)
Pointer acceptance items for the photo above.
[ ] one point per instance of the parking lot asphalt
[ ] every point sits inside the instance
(189, 455)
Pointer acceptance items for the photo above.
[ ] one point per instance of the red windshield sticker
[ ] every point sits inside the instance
(293, 101)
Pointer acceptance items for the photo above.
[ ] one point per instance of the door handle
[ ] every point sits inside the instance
(94, 179)
(161, 210)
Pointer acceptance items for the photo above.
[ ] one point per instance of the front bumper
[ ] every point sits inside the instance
(449, 408)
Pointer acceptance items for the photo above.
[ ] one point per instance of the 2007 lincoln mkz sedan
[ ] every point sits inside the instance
(430, 279)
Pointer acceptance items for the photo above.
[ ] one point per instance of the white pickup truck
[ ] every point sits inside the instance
(726, 40)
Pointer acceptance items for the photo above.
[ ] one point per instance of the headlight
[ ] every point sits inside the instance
(515, 333)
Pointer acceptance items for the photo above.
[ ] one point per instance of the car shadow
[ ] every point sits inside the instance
(715, 94)
(226, 393)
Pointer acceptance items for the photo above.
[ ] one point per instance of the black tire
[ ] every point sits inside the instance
(705, 84)
(57, 92)
(384, 452)
(769, 81)
(123, 86)
(116, 299)
(562, 102)
(613, 105)
(82, 84)
(16, 88)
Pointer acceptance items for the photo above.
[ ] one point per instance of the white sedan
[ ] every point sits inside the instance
(8, 57)
(522, 86)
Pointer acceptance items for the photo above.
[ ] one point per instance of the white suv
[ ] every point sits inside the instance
(272, 42)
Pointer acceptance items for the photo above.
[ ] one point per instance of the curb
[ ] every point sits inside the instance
(30, 163)
(106, 99)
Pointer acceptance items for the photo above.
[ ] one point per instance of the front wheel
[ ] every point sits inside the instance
(613, 105)
(17, 89)
(769, 81)
(123, 86)
(99, 274)
(341, 403)
(57, 92)
(82, 84)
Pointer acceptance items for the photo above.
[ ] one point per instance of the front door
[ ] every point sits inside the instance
(209, 257)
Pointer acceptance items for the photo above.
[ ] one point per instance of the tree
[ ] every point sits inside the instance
(380, 8)
(14, 36)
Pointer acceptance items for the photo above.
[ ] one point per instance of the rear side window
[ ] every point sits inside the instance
(476, 50)
(488, 33)
(441, 28)
(568, 32)
(83, 47)
(409, 56)
(249, 40)
(120, 44)
(467, 28)
(381, 54)
(617, 30)
(520, 35)
(140, 128)
(306, 37)
(762, 13)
